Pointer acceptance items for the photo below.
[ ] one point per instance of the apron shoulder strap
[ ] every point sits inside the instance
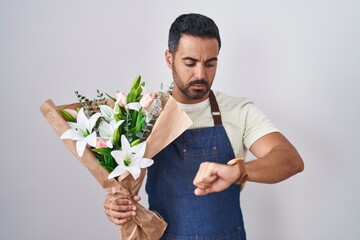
(215, 109)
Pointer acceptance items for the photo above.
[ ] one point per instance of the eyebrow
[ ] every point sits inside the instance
(196, 60)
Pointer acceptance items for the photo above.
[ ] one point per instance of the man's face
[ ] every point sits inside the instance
(193, 67)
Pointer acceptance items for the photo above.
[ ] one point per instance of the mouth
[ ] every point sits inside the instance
(199, 84)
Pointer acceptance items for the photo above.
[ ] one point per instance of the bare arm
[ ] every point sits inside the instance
(277, 159)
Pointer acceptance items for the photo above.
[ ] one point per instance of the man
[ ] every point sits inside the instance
(193, 183)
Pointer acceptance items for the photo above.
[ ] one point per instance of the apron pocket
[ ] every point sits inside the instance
(193, 157)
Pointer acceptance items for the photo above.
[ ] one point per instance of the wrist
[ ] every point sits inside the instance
(239, 162)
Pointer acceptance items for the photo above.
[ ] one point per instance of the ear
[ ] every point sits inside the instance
(169, 58)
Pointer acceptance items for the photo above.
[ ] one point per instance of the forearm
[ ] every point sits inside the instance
(279, 164)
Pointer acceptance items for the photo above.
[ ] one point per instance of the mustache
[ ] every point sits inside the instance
(198, 81)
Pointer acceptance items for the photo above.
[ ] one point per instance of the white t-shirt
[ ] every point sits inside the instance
(243, 122)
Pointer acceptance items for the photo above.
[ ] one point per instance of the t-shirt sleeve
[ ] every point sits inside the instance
(256, 126)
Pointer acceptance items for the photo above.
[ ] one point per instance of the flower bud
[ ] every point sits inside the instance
(135, 142)
(100, 143)
(121, 99)
(116, 135)
(72, 112)
(147, 100)
(69, 114)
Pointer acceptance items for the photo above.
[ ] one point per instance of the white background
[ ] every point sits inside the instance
(298, 60)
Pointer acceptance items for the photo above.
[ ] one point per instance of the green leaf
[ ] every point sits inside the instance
(112, 98)
(107, 168)
(132, 130)
(138, 92)
(117, 117)
(107, 160)
(136, 83)
(134, 117)
(138, 118)
(131, 96)
(140, 124)
(103, 151)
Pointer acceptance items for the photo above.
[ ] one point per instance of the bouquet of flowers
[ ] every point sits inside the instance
(116, 137)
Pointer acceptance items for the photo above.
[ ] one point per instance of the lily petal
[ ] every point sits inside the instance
(135, 171)
(82, 120)
(71, 134)
(139, 149)
(106, 112)
(116, 124)
(109, 143)
(80, 147)
(105, 129)
(125, 145)
(119, 157)
(116, 172)
(73, 125)
(93, 119)
(133, 106)
(146, 162)
(91, 139)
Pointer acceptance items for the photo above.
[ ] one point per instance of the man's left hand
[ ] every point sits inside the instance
(214, 177)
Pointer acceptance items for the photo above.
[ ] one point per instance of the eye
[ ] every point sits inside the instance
(190, 63)
(210, 64)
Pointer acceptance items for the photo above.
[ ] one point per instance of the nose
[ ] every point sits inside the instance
(200, 72)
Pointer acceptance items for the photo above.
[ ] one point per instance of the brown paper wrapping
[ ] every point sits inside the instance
(171, 122)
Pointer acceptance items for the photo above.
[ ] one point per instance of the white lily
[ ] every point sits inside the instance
(107, 128)
(82, 131)
(130, 159)
(106, 131)
(107, 112)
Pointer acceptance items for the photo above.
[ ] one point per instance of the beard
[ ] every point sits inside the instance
(185, 88)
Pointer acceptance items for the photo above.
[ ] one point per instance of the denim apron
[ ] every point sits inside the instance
(171, 191)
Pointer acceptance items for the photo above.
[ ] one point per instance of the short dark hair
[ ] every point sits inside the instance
(192, 24)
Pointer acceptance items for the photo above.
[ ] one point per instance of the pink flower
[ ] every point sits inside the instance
(147, 100)
(121, 99)
(100, 143)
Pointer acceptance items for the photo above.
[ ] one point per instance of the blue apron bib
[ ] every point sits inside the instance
(171, 191)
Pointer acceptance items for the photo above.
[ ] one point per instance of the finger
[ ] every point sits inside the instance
(119, 215)
(118, 221)
(200, 173)
(119, 218)
(208, 179)
(202, 191)
(121, 201)
(136, 198)
(120, 204)
(205, 179)
(121, 208)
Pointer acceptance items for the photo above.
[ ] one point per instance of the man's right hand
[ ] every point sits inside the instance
(120, 210)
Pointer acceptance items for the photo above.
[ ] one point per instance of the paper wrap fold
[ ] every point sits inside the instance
(171, 122)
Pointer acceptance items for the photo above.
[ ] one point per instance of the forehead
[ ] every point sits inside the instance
(198, 47)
